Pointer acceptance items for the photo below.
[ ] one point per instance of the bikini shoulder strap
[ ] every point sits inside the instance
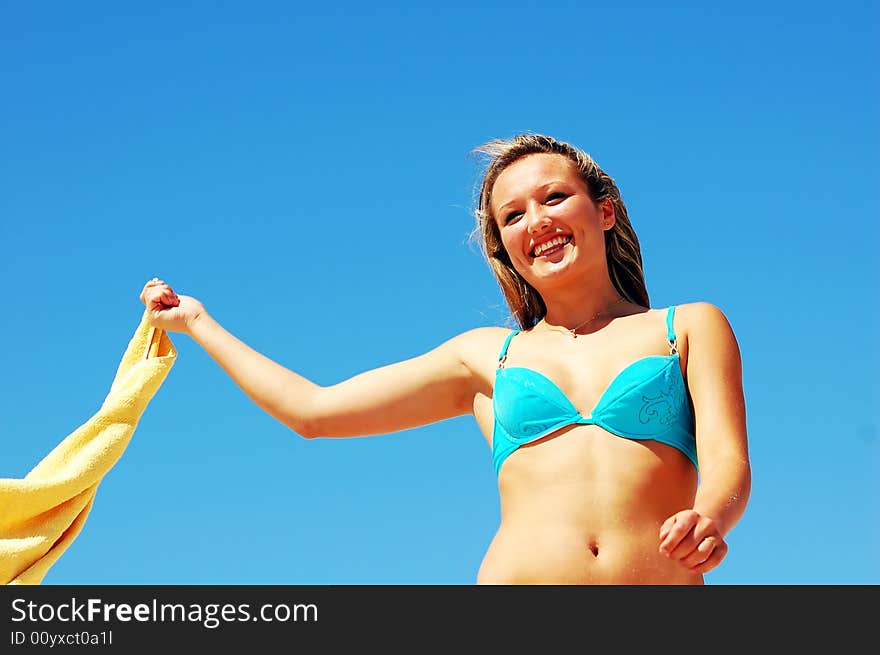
(670, 332)
(503, 355)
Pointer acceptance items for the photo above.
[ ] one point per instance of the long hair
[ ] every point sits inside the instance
(622, 251)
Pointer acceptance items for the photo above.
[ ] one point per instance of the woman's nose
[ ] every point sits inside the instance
(538, 221)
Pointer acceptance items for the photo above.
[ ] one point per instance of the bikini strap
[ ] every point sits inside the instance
(670, 333)
(503, 354)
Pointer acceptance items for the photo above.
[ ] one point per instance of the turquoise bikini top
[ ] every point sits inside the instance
(647, 400)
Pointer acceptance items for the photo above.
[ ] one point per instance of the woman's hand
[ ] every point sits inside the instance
(696, 541)
(167, 310)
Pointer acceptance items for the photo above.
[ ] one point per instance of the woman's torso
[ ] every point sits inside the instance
(583, 505)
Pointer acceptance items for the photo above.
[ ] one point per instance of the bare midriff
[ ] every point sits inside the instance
(583, 506)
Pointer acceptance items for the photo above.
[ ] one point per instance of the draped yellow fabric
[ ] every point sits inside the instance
(42, 513)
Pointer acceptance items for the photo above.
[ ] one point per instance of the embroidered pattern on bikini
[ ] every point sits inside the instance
(662, 408)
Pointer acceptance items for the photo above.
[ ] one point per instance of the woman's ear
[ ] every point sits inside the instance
(608, 216)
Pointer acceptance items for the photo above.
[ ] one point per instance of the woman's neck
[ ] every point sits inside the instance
(571, 308)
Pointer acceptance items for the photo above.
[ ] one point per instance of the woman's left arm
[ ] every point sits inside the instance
(714, 377)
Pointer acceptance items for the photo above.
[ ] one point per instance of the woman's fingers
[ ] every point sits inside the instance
(157, 292)
(718, 551)
(696, 544)
(167, 296)
(149, 285)
(667, 525)
(700, 553)
(674, 533)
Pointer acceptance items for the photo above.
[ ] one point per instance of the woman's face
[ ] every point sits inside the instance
(549, 225)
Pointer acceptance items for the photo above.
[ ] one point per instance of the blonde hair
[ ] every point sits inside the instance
(622, 251)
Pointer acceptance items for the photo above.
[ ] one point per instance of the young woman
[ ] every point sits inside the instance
(617, 430)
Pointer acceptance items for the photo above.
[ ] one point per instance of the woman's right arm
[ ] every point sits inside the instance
(425, 389)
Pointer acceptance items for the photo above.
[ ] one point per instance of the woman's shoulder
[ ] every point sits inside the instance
(482, 337)
(700, 311)
(702, 320)
(474, 344)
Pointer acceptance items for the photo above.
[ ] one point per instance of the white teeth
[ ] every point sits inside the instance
(544, 247)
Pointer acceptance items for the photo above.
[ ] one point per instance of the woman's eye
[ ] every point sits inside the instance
(511, 216)
(556, 195)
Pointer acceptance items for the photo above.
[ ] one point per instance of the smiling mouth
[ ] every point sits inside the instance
(549, 247)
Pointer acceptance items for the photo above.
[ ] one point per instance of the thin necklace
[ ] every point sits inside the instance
(573, 331)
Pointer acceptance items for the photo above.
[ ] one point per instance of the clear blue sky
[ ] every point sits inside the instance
(304, 172)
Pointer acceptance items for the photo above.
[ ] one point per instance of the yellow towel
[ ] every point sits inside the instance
(42, 514)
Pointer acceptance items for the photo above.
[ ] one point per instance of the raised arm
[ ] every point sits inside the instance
(417, 391)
